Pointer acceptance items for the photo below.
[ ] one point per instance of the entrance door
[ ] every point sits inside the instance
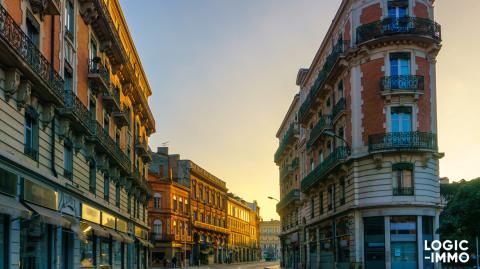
(67, 249)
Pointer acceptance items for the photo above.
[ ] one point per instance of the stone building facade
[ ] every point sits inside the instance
(74, 122)
(368, 194)
(270, 240)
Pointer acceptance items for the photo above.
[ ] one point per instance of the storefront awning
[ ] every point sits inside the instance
(97, 229)
(145, 243)
(10, 206)
(127, 239)
(49, 216)
(115, 236)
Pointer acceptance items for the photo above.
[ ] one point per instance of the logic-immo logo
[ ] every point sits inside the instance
(447, 251)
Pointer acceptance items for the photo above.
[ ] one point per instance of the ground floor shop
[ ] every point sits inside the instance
(43, 226)
(167, 254)
(381, 238)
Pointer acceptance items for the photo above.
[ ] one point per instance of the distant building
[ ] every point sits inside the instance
(169, 211)
(270, 240)
(243, 225)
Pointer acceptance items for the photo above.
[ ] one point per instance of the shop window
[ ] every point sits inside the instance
(403, 179)
(403, 241)
(427, 235)
(105, 252)
(35, 244)
(31, 133)
(374, 239)
(68, 160)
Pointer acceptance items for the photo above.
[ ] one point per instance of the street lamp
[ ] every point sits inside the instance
(272, 198)
(332, 134)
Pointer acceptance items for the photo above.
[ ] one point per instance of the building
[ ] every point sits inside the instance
(74, 122)
(365, 134)
(242, 223)
(270, 240)
(208, 211)
(169, 210)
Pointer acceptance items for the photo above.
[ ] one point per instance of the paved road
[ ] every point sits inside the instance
(258, 265)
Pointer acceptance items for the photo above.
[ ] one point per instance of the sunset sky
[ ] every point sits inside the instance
(223, 75)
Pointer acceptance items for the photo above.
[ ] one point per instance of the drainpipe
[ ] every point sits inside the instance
(52, 61)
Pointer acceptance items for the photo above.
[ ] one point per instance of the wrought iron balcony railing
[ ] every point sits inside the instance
(36, 66)
(399, 26)
(46, 7)
(338, 108)
(324, 123)
(75, 110)
(402, 141)
(111, 100)
(288, 139)
(292, 196)
(338, 50)
(336, 157)
(98, 75)
(402, 83)
(141, 146)
(403, 191)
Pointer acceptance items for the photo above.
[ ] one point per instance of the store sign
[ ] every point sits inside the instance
(122, 226)
(108, 220)
(8, 183)
(91, 214)
(40, 195)
(138, 232)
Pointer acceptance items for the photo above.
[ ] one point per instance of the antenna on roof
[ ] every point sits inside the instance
(164, 144)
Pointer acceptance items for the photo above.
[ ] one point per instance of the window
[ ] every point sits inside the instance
(68, 81)
(341, 133)
(194, 191)
(403, 241)
(180, 204)
(208, 197)
(157, 200)
(320, 156)
(208, 219)
(31, 133)
(331, 197)
(201, 217)
(195, 215)
(106, 123)
(106, 187)
(401, 121)
(201, 193)
(128, 142)
(92, 176)
(129, 203)
(69, 19)
(117, 195)
(403, 179)
(117, 137)
(340, 89)
(105, 252)
(312, 207)
(35, 244)
(321, 202)
(374, 237)
(157, 227)
(175, 230)
(218, 200)
(174, 202)
(399, 64)
(397, 8)
(312, 164)
(68, 160)
(186, 206)
(33, 29)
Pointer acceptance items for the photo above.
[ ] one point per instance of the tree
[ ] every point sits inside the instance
(459, 219)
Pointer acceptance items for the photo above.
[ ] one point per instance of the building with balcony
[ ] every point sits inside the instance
(270, 240)
(169, 211)
(208, 213)
(73, 104)
(367, 194)
(242, 222)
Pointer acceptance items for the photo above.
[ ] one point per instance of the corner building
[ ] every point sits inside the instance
(365, 193)
(74, 123)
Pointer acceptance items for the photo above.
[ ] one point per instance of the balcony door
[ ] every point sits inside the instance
(400, 126)
(397, 8)
(397, 21)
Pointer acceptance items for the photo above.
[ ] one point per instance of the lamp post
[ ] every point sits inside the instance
(272, 198)
(332, 134)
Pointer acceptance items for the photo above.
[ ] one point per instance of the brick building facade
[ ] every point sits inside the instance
(364, 191)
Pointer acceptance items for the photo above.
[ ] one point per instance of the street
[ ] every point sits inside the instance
(257, 265)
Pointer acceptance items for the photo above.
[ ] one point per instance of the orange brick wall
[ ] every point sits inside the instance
(372, 108)
(14, 9)
(347, 89)
(424, 119)
(346, 31)
(82, 61)
(371, 13)
(420, 10)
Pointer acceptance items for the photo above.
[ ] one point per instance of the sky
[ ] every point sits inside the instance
(223, 75)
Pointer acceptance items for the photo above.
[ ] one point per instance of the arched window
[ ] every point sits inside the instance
(157, 227)
(157, 200)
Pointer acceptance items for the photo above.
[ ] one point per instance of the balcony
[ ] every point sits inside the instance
(162, 237)
(121, 118)
(288, 140)
(210, 227)
(402, 141)
(335, 158)
(330, 68)
(46, 7)
(17, 50)
(403, 191)
(77, 112)
(324, 123)
(338, 108)
(111, 100)
(292, 196)
(402, 84)
(400, 28)
(98, 76)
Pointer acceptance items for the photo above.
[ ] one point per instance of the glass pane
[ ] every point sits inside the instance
(374, 242)
(86, 253)
(395, 123)
(104, 252)
(407, 178)
(34, 244)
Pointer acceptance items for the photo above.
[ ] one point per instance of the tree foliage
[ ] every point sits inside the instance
(460, 219)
